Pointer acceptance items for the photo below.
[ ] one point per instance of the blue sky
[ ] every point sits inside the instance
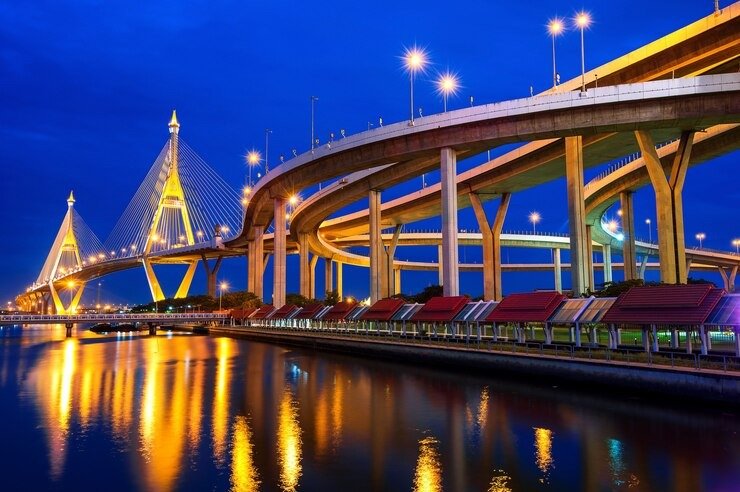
(87, 88)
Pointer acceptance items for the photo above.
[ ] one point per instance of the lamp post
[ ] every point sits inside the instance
(267, 147)
(582, 21)
(534, 218)
(736, 243)
(650, 230)
(555, 28)
(253, 159)
(313, 102)
(414, 60)
(447, 84)
(701, 237)
(221, 288)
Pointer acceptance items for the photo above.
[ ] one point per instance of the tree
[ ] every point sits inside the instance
(332, 297)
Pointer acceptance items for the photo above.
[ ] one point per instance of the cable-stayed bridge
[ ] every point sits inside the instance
(180, 214)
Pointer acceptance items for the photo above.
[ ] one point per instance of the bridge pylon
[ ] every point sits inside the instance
(172, 203)
(66, 257)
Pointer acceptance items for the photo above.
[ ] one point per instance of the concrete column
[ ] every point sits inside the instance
(590, 258)
(397, 281)
(607, 253)
(629, 251)
(376, 247)
(492, 287)
(450, 268)
(312, 277)
(440, 279)
(211, 274)
(643, 266)
(668, 204)
(256, 263)
(674, 338)
(728, 277)
(303, 260)
(278, 256)
(389, 287)
(558, 270)
(576, 215)
(328, 275)
(340, 284)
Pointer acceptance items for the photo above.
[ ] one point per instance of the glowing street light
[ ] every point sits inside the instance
(650, 230)
(294, 200)
(534, 218)
(447, 85)
(555, 27)
(701, 237)
(613, 225)
(221, 288)
(415, 60)
(253, 159)
(582, 21)
(736, 243)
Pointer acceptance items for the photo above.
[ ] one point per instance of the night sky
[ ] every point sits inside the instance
(87, 87)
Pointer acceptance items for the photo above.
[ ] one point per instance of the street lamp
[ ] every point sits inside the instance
(555, 27)
(267, 147)
(701, 237)
(534, 218)
(221, 288)
(313, 102)
(613, 225)
(582, 21)
(736, 243)
(447, 84)
(414, 60)
(650, 230)
(253, 159)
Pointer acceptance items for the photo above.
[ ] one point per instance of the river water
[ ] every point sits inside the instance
(134, 412)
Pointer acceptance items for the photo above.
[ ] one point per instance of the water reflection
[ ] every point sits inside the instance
(289, 442)
(200, 413)
(428, 475)
(244, 475)
(543, 452)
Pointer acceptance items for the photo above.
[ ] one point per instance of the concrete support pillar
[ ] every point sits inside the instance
(450, 264)
(304, 259)
(492, 288)
(340, 284)
(607, 253)
(389, 287)
(255, 261)
(689, 343)
(580, 278)
(643, 266)
(558, 270)
(728, 277)
(279, 254)
(328, 275)
(668, 204)
(376, 247)
(629, 251)
(397, 280)
(211, 274)
(577, 334)
(703, 336)
(440, 279)
(312, 277)
(674, 338)
(590, 258)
